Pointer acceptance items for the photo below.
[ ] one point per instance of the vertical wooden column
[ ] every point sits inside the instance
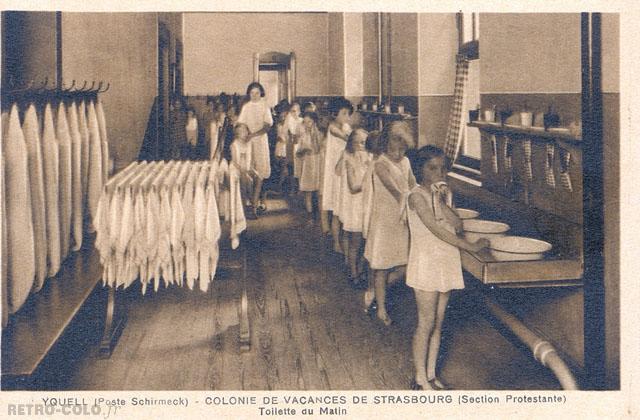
(593, 200)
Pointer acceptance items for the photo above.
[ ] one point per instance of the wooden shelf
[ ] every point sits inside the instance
(497, 128)
(389, 115)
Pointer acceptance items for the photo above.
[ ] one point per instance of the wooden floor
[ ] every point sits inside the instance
(308, 331)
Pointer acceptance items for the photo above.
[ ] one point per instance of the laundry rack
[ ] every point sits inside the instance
(159, 223)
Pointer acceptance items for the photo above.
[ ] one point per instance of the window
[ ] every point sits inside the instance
(468, 44)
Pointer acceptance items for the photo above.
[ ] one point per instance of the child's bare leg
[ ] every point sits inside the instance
(324, 219)
(380, 279)
(308, 201)
(335, 233)
(434, 341)
(256, 192)
(355, 243)
(426, 303)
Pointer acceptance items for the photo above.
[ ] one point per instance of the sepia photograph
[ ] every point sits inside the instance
(304, 200)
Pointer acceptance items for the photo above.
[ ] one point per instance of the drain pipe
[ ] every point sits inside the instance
(542, 350)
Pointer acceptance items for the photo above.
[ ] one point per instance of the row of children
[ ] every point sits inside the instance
(396, 216)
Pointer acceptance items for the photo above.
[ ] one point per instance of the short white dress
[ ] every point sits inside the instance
(352, 205)
(331, 183)
(388, 234)
(294, 129)
(310, 162)
(255, 115)
(434, 265)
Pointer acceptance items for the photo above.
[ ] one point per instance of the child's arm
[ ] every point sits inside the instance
(337, 132)
(387, 180)
(338, 169)
(420, 206)
(355, 186)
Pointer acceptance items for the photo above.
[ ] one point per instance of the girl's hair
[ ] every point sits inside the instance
(396, 130)
(422, 157)
(339, 103)
(282, 107)
(254, 85)
(309, 106)
(238, 126)
(373, 143)
(352, 138)
(312, 115)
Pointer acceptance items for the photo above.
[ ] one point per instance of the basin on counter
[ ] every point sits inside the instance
(475, 229)
(518, 248)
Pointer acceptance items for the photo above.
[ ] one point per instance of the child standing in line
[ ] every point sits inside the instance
(282, 145)
(294, 127)
(338, 131)
(242, 158)
(309, 152)
(434, 267)
(257, 116)
(353, 167)
(387, 247)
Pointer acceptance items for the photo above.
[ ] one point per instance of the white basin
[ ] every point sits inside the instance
(518, 248)
(475, 229)
(467, 214)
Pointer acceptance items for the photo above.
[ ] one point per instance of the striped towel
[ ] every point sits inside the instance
(507, 152)
(548, 167)
(528, 167)
(494, 154)
(565, 162)
(455, 127)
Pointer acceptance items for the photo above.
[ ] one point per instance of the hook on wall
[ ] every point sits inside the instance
(105, 89)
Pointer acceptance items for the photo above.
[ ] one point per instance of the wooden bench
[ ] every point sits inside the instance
(39, 325)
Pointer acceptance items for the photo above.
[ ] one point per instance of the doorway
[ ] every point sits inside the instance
(277, 73)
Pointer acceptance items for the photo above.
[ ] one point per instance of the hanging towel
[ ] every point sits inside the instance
(95, 162)
(20, 241)
(494, 154)
(3, 215)
(76, 176)
(528, 167)
(548, 167)
(31, 130)
(507, 151)
(64, 148)
(51, 162)
(102, 125)
(84, 137)
(457, 115)
(565, 163)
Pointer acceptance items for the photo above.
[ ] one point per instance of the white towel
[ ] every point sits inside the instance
(95, 162)
(565, 163)
(494, 154)
(31, 130)
(548, 167)
(76, 176)
(528, 167)
(20, 241)
(51, 186)
(102, 125)
(66, 182)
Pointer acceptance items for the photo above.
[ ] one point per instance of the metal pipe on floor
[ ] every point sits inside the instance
(543, 351)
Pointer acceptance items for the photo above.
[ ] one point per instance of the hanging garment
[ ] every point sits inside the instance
(102, 125)
(95, 162)
(528, 166)
(565, 163)
(507, 153)
(76, 176)
(64, 150)
(494, 154)
(21, 252)
(458, 115)
(50, 158)
(31, 131)
(84, 136)
(548, 167)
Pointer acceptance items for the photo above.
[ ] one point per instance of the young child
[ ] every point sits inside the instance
(257, 116)
(387, 247)
(337, 134)
(309, 152)
(282, 144)
(434, 267)
(354, 163)
(294, 127)
(191, 131)
(242, 158)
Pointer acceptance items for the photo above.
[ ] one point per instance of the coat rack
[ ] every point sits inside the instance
(32, 91)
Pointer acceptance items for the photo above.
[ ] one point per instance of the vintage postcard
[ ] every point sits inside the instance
(319, 209)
